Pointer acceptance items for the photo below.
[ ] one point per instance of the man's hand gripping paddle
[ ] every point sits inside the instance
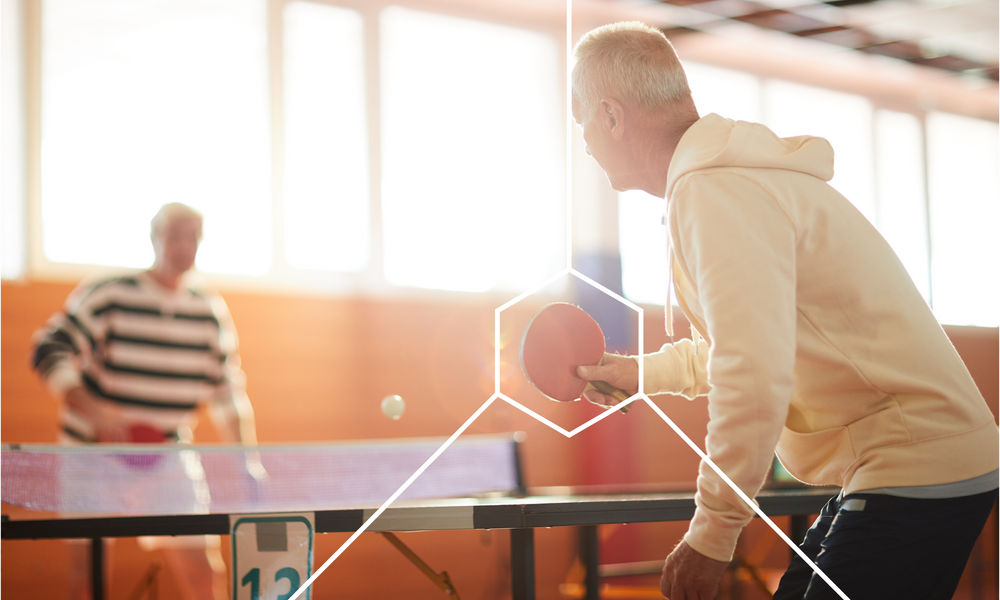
(559, 338)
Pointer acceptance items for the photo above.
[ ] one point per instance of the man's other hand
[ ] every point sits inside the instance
(108, 427)
(688, 575)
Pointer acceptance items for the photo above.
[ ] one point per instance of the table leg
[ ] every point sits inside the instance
(590, 556)
(522, 563)
(97, 568)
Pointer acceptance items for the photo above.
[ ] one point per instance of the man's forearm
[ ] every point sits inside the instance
(234, 420)
(680, 368)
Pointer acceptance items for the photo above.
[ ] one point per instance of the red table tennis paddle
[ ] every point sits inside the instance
(143, 434)
(559, 338)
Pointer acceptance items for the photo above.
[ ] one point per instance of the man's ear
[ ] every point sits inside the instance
(612, 115)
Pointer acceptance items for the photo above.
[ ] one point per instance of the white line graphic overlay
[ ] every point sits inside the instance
(392, 498)
(569, 270)
(751, 504)
(568, 434)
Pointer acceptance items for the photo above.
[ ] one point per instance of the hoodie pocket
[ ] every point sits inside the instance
(878, 430)
(819, 458)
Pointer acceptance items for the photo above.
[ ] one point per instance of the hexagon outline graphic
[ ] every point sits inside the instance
(496, 348)
(604, 414)
(640, 394)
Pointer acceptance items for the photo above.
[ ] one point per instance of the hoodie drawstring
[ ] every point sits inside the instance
(668, 309)
(668, 312)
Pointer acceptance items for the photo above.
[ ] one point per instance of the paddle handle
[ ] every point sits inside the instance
(609, 390)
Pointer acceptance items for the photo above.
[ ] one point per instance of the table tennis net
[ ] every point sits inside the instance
(173, 479)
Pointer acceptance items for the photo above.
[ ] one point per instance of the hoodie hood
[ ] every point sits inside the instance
(714, 141)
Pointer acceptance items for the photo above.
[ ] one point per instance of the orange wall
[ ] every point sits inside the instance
(317, 369)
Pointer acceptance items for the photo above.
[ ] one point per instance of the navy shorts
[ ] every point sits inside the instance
(874, 546)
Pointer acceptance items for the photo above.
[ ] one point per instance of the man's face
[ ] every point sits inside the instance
(598, 142)
(587, 127)
(176, 243)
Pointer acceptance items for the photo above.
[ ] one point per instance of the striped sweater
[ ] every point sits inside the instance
(153, 354)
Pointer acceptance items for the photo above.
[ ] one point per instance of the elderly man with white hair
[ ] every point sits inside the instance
(132, 358)
(810, 341)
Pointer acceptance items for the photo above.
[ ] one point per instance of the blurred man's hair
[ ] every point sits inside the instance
(170, 212)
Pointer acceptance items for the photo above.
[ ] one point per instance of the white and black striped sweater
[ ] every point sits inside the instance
(153, 354)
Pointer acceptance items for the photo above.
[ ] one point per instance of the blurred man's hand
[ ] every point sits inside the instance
(107, 427)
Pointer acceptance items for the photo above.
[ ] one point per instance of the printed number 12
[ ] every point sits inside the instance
(253, 578)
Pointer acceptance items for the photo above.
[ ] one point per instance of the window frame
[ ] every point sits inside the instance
(886, 84)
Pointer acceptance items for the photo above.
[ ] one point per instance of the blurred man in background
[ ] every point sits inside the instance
(132, 359)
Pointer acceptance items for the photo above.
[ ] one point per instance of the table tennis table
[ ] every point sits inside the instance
(518, 515)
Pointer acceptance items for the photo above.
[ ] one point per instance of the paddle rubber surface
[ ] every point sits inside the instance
(558, 338)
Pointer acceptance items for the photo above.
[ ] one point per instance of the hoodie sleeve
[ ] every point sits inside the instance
(679, 368)
(738, 247)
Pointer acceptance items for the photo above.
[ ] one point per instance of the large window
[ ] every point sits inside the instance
(148, 104)
(964, 213)
(901, 193)
(642, 239)
(844, 120)
(944, 232)
(472, 194)
(13, 218)
(372, 146)
(326, 177)
(731, 94)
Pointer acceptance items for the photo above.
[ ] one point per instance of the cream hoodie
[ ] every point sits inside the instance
(820, 346)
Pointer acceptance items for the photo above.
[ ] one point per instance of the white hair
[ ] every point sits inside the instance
(171, 212)
(631, 62)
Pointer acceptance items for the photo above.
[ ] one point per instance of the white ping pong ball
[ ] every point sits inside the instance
(393, 406)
